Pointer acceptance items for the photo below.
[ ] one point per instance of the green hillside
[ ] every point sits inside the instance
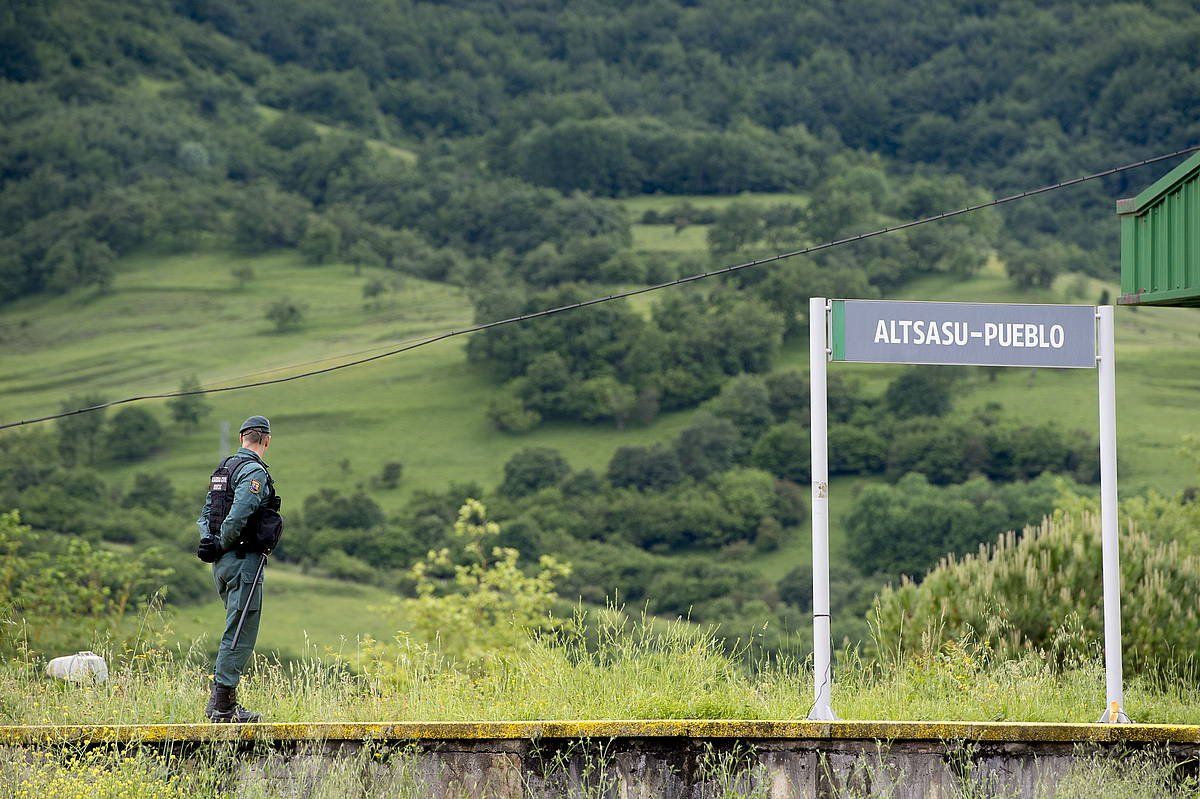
(163, 320)
(168, 318)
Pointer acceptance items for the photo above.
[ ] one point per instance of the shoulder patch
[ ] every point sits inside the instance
(255, 486)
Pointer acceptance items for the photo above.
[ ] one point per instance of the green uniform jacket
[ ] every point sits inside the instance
(250, 490)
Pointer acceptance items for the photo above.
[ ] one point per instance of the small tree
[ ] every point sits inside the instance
(389, 475)
(644, 468)
(532, 469)
(190, 409)
(508, 413)
(920, 391)
(363, 254)
(242, 275)
(133, 435)
(286, 314)
(372, 290)
(322, 240)
(79, 435)
(489, 606)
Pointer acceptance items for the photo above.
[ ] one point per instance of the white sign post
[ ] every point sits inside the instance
(978, 334)
(819, 352)
(1106, 362)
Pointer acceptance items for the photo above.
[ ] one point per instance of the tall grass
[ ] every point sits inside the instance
(607, 666)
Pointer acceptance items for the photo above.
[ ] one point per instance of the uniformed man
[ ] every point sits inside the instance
(236, 570)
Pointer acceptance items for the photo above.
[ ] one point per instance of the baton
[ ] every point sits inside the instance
(246, 606)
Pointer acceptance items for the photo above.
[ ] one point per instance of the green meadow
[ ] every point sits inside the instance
(168, 318)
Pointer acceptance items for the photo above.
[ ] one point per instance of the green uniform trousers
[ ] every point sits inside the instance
(233, 577)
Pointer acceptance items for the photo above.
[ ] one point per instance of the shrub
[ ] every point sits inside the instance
(855, 450)
(645, 468)
(532, 469)
(286, 314)
(133, 435)
(784, 451)
(489, 606)
(920, 391)
(189, 409)
(389, 475)
(1041, 590)
(508, 413)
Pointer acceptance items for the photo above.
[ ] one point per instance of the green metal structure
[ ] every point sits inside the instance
(1160, 240)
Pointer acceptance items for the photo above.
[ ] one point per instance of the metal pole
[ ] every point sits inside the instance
(246, 605)
(818, 353)
(1114, 710)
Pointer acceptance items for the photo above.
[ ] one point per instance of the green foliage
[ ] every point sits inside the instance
(286, 314)
(784, 450)
(532, 469)
(920, 391)
(745, 402)
(321, 241)
(707, 446)
(855, 450)
(389, 474)
(1040, 591)
(508, 413)
(1000, 450)
(151, 137)
(55, 591)
(473, 601)
(133, 435)
(328, 508)
(189, 410)
(644, 468)
(610, 363)
(289, 131)
(80, 435)
(905, 528)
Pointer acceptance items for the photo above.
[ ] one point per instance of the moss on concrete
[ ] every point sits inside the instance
(1017, 732)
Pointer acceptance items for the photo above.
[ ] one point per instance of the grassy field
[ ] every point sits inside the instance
(168, 318)
(661, 202)
(652, 239)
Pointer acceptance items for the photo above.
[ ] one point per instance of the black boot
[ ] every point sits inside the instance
(222, 707)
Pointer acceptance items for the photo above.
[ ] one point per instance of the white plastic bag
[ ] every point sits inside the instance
(80, 667)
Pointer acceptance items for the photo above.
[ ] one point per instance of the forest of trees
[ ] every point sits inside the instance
(127, 124)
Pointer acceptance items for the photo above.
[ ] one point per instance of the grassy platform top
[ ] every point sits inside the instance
(997, 732)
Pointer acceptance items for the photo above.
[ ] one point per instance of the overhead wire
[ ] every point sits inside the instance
(422, 342)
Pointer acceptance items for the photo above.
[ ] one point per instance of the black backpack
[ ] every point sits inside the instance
(263, 529)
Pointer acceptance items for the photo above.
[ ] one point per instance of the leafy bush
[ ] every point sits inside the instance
(508, 413)
(56, 591)
(532, 469)
(1041, 590)
(133, 435)
(474, 603)
(286, 314)
(190, 409)
(645, 468)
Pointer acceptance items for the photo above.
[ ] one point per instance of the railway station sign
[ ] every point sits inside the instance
(970, 334)
(964, 333)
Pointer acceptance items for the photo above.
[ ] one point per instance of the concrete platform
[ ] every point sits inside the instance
(673, 759)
